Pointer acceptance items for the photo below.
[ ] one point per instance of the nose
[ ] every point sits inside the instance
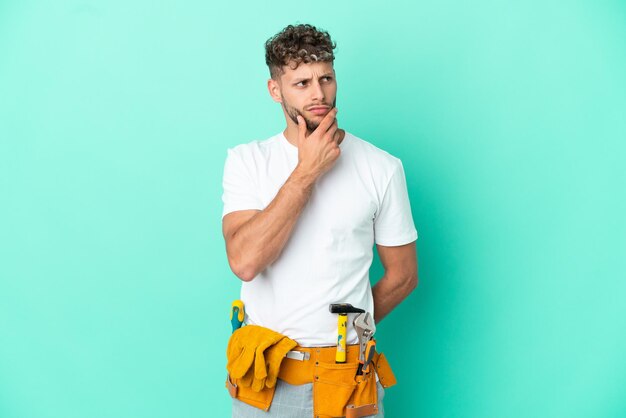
(317, 93)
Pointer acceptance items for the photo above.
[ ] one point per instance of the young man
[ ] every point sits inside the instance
(302, 212)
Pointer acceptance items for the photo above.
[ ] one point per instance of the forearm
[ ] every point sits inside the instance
(259, 241)
(389, 292)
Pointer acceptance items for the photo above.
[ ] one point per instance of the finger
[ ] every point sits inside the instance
(337, 135)
(260, 369)
(327, 121)
(258, 385)
(247, 379)
(242, 363)
(340, 133)
(330, 133)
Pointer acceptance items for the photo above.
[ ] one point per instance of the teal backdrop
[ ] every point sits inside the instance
(509, 117)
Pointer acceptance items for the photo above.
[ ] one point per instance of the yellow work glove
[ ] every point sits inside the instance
(274, 356)
(245, 347)
(267, 365)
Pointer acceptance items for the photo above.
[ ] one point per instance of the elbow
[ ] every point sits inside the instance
(247, 275)
(412, 282)
(244, 271)
(244, 274)
(242, 259)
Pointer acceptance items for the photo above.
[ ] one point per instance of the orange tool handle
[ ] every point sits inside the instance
(370, 348)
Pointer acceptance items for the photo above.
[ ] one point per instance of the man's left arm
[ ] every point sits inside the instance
(399, 280)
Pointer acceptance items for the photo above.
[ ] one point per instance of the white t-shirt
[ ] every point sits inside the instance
(360, 201)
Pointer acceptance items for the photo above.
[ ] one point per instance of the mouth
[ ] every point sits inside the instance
(319, 110)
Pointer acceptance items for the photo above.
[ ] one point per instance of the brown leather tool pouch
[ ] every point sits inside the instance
(383, 369)
(333, 386)
(262, 399)
(364, 399)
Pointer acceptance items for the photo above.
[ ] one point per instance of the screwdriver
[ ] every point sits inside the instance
(237, 313)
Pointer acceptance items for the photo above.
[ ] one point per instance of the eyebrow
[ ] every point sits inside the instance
(297, 80)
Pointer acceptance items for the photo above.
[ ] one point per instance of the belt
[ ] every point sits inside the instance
(301, 364)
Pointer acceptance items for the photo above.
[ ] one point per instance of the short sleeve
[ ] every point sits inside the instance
(393, 224)
(239, 186)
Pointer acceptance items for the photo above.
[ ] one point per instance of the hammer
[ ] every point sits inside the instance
(343, 309)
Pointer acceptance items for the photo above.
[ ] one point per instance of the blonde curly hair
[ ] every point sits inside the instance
(296, 44)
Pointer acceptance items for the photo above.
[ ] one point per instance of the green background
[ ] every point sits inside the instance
(509, 117)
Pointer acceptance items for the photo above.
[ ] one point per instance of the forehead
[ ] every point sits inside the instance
(310, 70)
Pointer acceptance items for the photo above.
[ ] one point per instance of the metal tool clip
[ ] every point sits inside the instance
(298, 355)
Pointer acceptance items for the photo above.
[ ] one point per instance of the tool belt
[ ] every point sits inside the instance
(337, 389)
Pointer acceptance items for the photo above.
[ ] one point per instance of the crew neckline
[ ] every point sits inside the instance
(282, 138)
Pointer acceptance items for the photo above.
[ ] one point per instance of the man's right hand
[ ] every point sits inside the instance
(318, 151)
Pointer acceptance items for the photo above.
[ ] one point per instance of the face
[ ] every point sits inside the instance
(310, 91)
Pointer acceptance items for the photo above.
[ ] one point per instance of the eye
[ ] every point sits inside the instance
(328, 78)
(301, 83)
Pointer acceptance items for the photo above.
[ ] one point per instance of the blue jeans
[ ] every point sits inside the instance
(292, 401)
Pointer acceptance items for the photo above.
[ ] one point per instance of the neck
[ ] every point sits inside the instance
(291, 133)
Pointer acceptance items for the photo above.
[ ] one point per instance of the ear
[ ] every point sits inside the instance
(274, 89)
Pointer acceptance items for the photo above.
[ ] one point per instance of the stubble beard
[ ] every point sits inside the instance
(293, 113)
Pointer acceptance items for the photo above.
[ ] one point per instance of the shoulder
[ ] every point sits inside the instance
(254, 150)
(375, 156)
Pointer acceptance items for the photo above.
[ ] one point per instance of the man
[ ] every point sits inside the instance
(302, 211)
